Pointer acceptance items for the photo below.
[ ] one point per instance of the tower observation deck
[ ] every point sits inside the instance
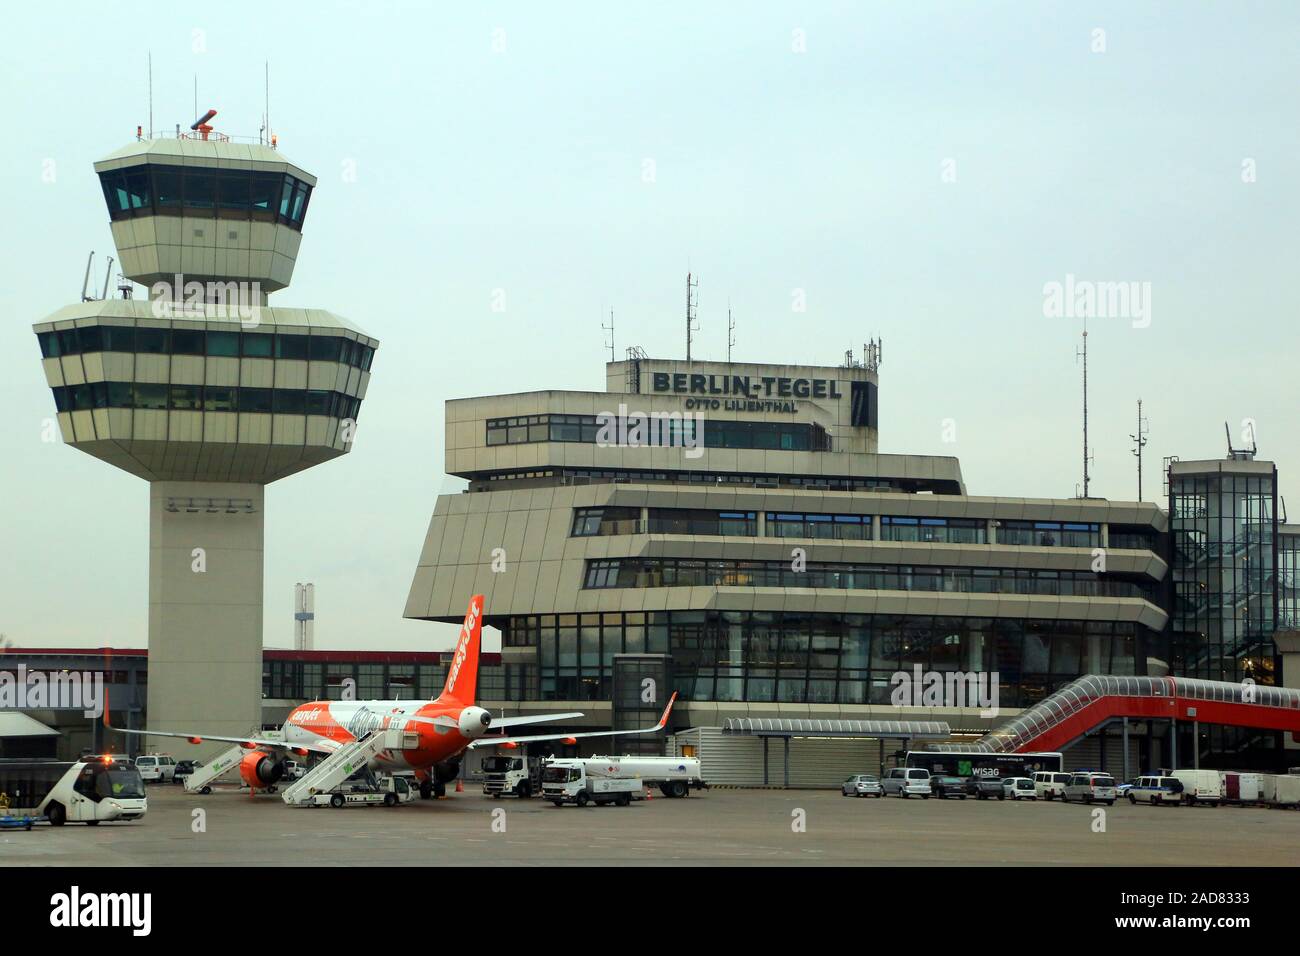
(209, 394)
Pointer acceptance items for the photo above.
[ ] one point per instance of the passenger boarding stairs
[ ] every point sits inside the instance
(202, 777)
(343, 763)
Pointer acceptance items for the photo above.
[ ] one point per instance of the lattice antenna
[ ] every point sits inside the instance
(1087, 459)
(610, 329)
(692, 307)
(1140, 442)
(731, 331)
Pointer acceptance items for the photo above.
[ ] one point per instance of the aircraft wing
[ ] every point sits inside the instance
(503, 722)
(497, 741)
(319, 748)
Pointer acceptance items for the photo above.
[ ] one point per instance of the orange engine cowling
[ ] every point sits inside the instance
(260, 770)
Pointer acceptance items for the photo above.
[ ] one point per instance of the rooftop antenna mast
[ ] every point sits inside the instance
(85, 281)
(731, 331)
(151, 94)
(610, 329)
(1086, 460)
(692, 305)
(266, 113)
(873, 354)
(108, 274)
(1140, 441)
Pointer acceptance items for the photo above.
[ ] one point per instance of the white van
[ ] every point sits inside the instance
(1156, 790)
(906, 782)
(1200, 786)
(1050, 784)
(156, 768)
(1087, 786)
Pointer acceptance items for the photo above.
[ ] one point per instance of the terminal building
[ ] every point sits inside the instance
(732, 532)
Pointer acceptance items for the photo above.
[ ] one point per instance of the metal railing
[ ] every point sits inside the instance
(1021, 731)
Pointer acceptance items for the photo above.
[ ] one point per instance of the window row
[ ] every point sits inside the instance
(155, 189)
(316, 347)
(688, 572)
(809, 482)
(313, 680)
(844, 527)
(663, 431)
(833, 526)
(1050, 534)
(936, 530)
(205, 398)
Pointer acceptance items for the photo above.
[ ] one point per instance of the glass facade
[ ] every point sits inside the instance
(161, 189)
(699, 521)
(1050, 534)
(1223, 575)
(689, 572)
(811, 658)
(199, 398)
(843, 527)
(940, 530)
(665, 432)
(303, 680)
(1288, 581)
(316, 347)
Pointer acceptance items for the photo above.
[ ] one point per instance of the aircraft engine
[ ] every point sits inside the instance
(260, 770)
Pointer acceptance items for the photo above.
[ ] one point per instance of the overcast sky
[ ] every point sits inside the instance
(921, 171)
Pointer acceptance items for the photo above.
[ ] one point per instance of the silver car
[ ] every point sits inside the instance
(862, 785)
(1089, 785)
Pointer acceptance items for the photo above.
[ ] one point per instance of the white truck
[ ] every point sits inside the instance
(587, 780)
(389, 790)
(674, 776)
(518, 776)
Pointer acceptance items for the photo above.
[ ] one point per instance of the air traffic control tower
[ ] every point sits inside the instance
(207, 393)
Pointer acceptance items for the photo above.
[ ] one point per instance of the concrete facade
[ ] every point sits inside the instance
(537, 470)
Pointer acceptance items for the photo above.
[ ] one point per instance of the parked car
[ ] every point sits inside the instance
(985, 787)
(862, 785)
(944, 787)
(184, 768)
(1089, 786)
(1051, 784)
(1156, 790)
(156, 768)
(1019, 788)
(293, 770)
(907, 782)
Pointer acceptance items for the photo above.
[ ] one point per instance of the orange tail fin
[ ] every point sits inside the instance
(462, 676)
